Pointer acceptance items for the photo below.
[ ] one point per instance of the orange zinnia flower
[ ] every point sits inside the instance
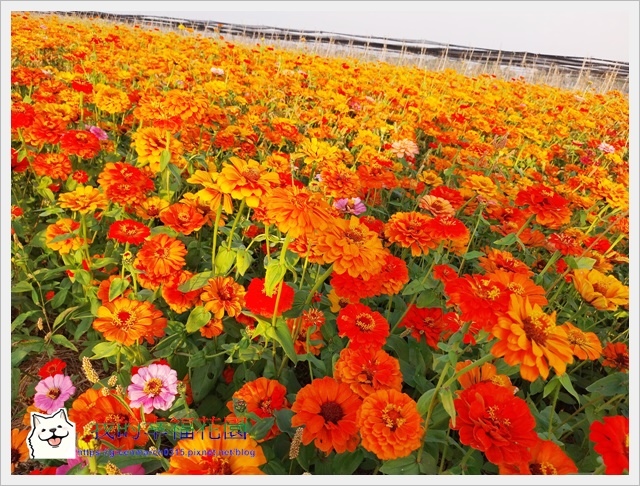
(368, 369)
(151, 207)
(210, 440)
(530, 338)
(262, 397)
(62, 227)
(109, 416)
(129, 321)
(586, 345)
(604, 292)
(409, 230)
(480, 299)
(551, 209)
(161, 255)
(56, 166)
(547, 458)
(351, 247)
(616, 355)
(307, 327)
(393, 276)
(503, 260)
(151, 142)
(246, 180)
(297, 211)
(521, 285)
(327, 410)
(19, 448)
(84, 199)
(390, 425)
(612, 443)
(177, 300)
(223, 295)
(487, 372)
(494, 421)
(125, 184)
(183, 218)
(362, 326)
(212, 329)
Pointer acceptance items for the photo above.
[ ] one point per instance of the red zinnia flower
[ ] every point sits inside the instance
(616, 355)
(551, 209)
(52, 368)
(612, 443)
(362, 326)
(259, 303)
(129, 231)
(494, 421)
(81, 143)
(425, 322)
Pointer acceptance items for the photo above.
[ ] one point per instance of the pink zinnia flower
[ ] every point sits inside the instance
(606, 148)
(52, 392)
(404, 147)
(351, 206)
(98, 132)
(153, 387)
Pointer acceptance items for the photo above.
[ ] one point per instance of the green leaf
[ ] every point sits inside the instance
(104, 350)
(59, 298)
(62, 316)
(117, 287)
(550, 387)
(510, 239)
(60, 340)
(21, 318)
(243, 261)
(196, 282)
(21, 287)
(83, 277)
(428, 298)
(413, 288)
(580, 263)
(283, 420)
(446, 397)
(63, 237)
(275, 275)
(472, 255)
(198, 317)
(17, 356)
(165, 157)
(261, 428)
(283, 336)
(225, 259)
(347, 462)
(404, 465)
(610, 385)
(565, 380)
(424, 401)
(196, 360)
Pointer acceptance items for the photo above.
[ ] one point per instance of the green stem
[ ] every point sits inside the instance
(118, 357)
(216, 224)
(553, 410)
(235, 224)
(554, 258)
(432, 406)
(465, 458)
(525, 225)
(126, 249)
(475, 229)
(475, 364)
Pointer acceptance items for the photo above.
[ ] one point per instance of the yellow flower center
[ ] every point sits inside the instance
(251, 174)
(576, 337)
(365, 322)
(538, 326)
(53, 393)
(219, 466)
(516, 288)
(545, 468)
(355, 235)
(124, 319)
(153, 387)
(392, 416)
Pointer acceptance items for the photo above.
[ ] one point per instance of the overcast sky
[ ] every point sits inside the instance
(584, 29)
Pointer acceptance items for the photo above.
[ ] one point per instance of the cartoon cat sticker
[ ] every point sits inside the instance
(52, 436)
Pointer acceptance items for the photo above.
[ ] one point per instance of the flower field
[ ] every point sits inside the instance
(319, 265)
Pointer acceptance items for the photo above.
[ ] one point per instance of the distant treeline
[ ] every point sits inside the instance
(383, 44)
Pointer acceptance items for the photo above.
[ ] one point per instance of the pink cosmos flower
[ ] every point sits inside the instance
(52, 392)
(153, 387)
(98, 132)
(351, 206)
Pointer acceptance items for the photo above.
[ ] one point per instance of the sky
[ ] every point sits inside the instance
(583, 29)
